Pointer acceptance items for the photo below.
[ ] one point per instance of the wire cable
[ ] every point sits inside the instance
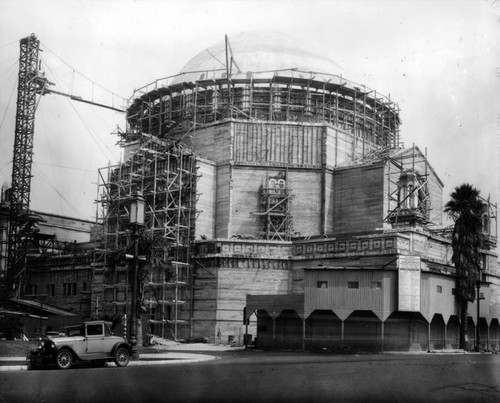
(8, 44)
(8, 104)
(81, 74)
(94, 137)
(44, 178)
(5, 165)
(64, 167)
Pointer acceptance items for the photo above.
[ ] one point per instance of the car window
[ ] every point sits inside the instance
(74, 331)
(107, 332)
(95, 330)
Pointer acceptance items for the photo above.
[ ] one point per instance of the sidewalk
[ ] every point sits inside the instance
(163, 352)
(160, 358)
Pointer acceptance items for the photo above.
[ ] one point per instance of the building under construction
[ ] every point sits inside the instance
(258, 161)
(280, 204)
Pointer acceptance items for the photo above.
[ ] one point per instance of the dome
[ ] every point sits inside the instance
(256, 52)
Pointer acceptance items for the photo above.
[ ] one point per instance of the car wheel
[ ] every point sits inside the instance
(122, 357)
(64, 359)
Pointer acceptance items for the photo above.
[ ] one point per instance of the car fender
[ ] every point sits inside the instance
(121, 344)
(67, 347)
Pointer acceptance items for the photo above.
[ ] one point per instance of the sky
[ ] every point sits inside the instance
(438, 60)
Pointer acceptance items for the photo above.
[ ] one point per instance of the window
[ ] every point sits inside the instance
(51, 290)
(322, 284)
(376, 285)
(69, 288)
(75, 330)
(353, 284)
(486, 224)
(94, 330)
(440, 289)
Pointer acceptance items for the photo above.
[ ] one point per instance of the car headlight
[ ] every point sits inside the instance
(52, 345)
(40, 346)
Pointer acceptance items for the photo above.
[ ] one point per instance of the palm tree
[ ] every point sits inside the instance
(464, 208)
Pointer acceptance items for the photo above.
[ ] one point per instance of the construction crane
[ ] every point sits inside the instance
(31, 85)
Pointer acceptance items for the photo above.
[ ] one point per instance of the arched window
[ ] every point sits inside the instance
(486, 224)
(411, 197)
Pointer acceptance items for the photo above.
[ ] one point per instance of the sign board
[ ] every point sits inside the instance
(409, 283)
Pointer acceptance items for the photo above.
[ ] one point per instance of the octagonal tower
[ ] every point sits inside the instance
(236, 156)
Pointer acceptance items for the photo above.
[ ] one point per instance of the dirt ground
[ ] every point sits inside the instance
(160, 344)
(16, 348)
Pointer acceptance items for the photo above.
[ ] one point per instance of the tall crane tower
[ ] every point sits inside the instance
(30, 84)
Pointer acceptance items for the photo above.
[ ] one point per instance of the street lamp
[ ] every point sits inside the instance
(136, 220)
(136, 214)
(478, 286)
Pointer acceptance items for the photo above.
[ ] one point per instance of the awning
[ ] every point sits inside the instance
(275, 304)
(53, 310)
(18, 313)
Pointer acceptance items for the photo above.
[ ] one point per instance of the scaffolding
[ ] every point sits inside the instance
(165, 173)
(408, 194)
(275, 201)
(171, 106)
(489, 223)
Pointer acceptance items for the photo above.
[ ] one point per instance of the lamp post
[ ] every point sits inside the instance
(478, 285)
(136, 220)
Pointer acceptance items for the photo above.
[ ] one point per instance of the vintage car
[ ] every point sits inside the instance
(90, 342)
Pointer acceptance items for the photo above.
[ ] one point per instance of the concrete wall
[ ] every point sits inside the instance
(284, 143)
(306, 203)
(66, 229)
(358, 199)
(206, 203)
(245, 202)
(220, 295)
(238, 199)
(234, 284)
(212, 142)
(226, 272)
(303, 144)
(68, 287)
(204, 301)
(223, 194)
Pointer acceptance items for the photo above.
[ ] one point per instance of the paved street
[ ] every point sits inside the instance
(259, 376)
